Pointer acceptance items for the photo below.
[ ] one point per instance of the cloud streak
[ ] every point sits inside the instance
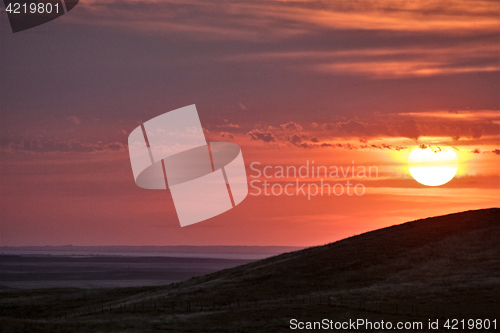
(56, 146)
(395, 61)
(280, 19)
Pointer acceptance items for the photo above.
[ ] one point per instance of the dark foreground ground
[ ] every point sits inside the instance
(433, 269)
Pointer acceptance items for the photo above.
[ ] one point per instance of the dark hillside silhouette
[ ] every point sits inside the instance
(440, 267)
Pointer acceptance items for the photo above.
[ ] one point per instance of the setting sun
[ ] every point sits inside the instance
(433, 166)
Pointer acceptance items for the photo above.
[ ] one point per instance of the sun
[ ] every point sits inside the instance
(433, 166)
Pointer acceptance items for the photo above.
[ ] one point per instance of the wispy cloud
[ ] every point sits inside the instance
(75, 120)
(284, 19)
(395, 61)
(58, 146)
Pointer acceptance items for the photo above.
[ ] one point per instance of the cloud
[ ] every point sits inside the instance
(388, 62)
(407, 128)
(226, 135)
(455, 134)
(476, 151)
(271, 20)
(377, 126)
(476, 132)
(229, 125)
(349, 146)
(55, 146)
(297, 139)
(496, 151)
(291, 126)
(416, 125)
(257, 134)
(337, 145)
(242, 107)
(384, 146)
(382, 125)
(383, 69)
(75, 120)
(351, 126)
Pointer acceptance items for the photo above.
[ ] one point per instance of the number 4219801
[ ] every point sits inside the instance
(472, 324)
(32, 8)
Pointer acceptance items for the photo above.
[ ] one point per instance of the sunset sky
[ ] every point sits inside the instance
(334, 82)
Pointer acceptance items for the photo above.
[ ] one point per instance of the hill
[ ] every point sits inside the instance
(436, 268)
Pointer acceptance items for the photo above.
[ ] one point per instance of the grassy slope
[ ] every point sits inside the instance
(447, 266)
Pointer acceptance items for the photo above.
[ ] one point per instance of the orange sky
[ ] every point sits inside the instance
(288, 81)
